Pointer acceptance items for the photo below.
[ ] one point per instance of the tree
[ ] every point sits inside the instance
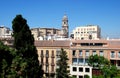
(5, 60)
(62, 71)
(97, 61)
(103, 64)
(25, 63)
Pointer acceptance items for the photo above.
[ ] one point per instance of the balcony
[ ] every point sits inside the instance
(52, 56)
(87, 56)
(47, 64)
(41, 55)
(74, 56)
(47, 55)
(52, 72)
(80, 56)
(46, 71)
(53, 64)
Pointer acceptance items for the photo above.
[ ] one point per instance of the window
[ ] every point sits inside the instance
(52, 68)
(47, 69)
(64, 22)
(87, 70)
(80, 69)
(74, 60)
(80, 77)
(74, 52)
(80, 52)
(74, 76)
(52, 62)
(119, 54)
(74, 69)
(46, 60)
(41, 60)
(87, 53)
(47, 53)
(112, 54)
(52, 54)
(94, 53)
(80, 61)
(58, 53)
(41, 53)
(101, 53)
(86, 61)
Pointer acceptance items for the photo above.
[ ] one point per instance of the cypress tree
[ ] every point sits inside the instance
(62, 71)
(25, 62)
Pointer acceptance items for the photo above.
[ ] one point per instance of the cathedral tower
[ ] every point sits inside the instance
(65, 28)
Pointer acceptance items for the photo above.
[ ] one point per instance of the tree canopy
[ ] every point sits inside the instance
(5, 60)
(62, 71)
(26, 59)
(103, 64)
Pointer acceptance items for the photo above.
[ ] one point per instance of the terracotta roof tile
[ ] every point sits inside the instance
(53, 43)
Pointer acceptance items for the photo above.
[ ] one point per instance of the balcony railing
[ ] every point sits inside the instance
(52, 56)
(74, 56)
(53, 72)
(53, 64)
(46, 71)
(47, 55)
(80, 56)
(47, 63)
(86, 56)
(41, 55)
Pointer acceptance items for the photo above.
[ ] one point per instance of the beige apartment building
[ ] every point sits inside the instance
(87, 32)
(48, 52)
(78, 52)
(81, 50)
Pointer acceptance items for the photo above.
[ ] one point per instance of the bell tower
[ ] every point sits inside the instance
(65, 28)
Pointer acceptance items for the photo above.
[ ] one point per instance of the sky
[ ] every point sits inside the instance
(49, 13)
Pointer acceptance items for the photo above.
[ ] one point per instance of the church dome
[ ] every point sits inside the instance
(65, 17)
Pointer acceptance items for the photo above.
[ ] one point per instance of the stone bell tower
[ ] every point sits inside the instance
(65, 28)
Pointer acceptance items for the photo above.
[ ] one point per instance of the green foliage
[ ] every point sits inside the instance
(21, 33)
(97, 61)
(25, 63)
(103, 64)
(62, 71)
(5, 60)
(86, 76)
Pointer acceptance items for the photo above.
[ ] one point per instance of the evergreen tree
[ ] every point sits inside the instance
(62, 71)
(5, 60)
(25, 63)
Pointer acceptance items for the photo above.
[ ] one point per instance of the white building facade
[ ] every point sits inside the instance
(5, 32)
(79, 71)
(87, 32)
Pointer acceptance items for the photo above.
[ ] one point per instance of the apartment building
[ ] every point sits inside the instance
(5, 32)
(81, 50)
(48, 52)
(87, 32)
(78, 52)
